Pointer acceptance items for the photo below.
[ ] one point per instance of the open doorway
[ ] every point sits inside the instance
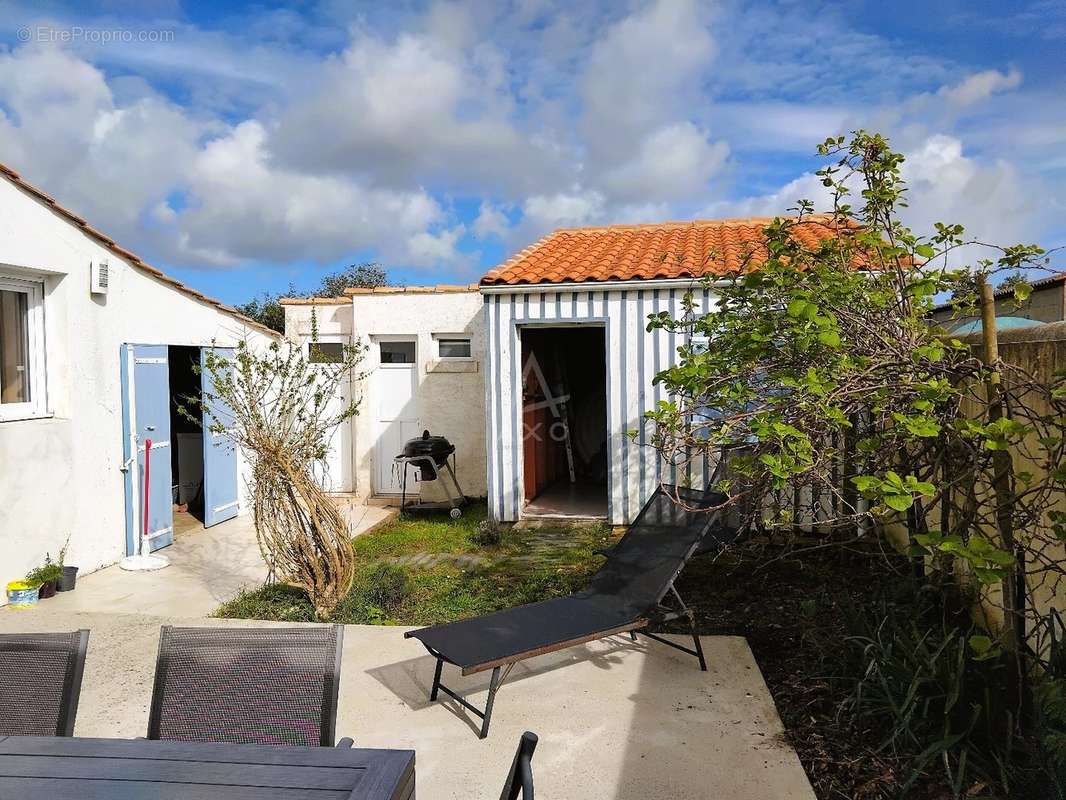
(564, 414)
(187, 440)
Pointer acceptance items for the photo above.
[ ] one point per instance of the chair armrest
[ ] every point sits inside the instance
(346, 742)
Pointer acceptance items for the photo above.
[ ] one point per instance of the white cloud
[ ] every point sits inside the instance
(806, 187)
(640, 92)
(412, 110)
(425, 249)
(576, 207)
(249, 208)
(646, 67)
(980, 86)
(490, 221)
(990, 199)
(195, 190)
(673, 162)
(65, 132)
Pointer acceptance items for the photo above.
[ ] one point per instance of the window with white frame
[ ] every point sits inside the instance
(22, 388)
(452, 346)
(325, 352)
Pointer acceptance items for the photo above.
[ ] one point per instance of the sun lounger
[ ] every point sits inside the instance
(631, 591)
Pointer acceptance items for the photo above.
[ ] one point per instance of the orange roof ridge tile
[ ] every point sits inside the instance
(684, 223)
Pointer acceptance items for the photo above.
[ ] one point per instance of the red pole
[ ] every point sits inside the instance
(147, 464)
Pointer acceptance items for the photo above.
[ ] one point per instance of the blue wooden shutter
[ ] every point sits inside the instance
(146, 415)
(220, 452)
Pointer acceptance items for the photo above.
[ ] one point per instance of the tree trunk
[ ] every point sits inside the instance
(1002, 486)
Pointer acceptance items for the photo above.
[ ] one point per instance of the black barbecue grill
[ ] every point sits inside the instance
(428, 455)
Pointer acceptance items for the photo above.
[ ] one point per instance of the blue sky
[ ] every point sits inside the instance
(242, 147)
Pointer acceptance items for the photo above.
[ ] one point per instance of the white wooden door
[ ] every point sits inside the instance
(395, 408)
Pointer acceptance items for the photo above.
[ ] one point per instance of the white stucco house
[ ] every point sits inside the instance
(423, 370)
(96, 349)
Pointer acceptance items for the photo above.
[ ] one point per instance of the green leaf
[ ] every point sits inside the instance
(866, 482)
(829, 338)
(982, 647)
(899, 502)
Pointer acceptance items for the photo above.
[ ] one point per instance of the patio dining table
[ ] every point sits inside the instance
(62, 768)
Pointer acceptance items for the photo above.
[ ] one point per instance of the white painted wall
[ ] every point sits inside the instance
(60, 476)
(450, 396)
(334, 322)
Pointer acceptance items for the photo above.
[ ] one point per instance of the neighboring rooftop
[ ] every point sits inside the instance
(314, 301)
(1008, 291)
(442, 288)
(347, 297)
(658, 251)
(135, 261)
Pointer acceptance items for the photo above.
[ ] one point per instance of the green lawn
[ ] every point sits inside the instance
(425, 569)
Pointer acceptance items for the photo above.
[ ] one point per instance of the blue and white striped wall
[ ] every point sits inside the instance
(634, 356)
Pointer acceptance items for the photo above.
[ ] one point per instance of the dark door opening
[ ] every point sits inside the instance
(187, 439)
(564, 416)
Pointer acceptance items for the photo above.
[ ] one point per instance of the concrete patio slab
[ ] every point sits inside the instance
(207, 567)
(617, 720)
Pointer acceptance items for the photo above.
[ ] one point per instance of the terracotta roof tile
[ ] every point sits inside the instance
(647, 252)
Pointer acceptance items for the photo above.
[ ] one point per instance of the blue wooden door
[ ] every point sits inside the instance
(220, 453)
(146, 415)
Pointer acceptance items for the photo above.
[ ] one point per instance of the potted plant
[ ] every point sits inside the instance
(69, 574)
(45, 577)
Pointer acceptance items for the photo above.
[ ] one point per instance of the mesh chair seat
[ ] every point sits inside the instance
(275, 686)
(40, 682)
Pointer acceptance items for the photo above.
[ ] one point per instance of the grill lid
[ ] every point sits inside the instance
(436, 447)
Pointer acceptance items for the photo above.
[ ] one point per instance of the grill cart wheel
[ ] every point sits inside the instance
(455, 513)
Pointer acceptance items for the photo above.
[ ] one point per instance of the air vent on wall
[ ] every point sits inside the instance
(99, 277)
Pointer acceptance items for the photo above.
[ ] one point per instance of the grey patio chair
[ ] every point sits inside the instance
(247, 685)
(520, 778)
(40, 682)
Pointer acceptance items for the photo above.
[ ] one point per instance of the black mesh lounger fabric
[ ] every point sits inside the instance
(40, 682)
(628, 587)
(247, 686)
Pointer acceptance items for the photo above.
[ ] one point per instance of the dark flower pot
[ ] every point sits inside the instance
(70, 577)
(48, 589)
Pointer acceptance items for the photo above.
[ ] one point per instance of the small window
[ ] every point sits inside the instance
(397, 352)
(21, 349)
(453, 347)
(325, 352)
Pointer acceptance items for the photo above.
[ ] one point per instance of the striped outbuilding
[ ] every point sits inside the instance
(611, 279)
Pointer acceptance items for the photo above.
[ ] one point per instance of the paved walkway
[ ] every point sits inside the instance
(617, 720)
(207, 567)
